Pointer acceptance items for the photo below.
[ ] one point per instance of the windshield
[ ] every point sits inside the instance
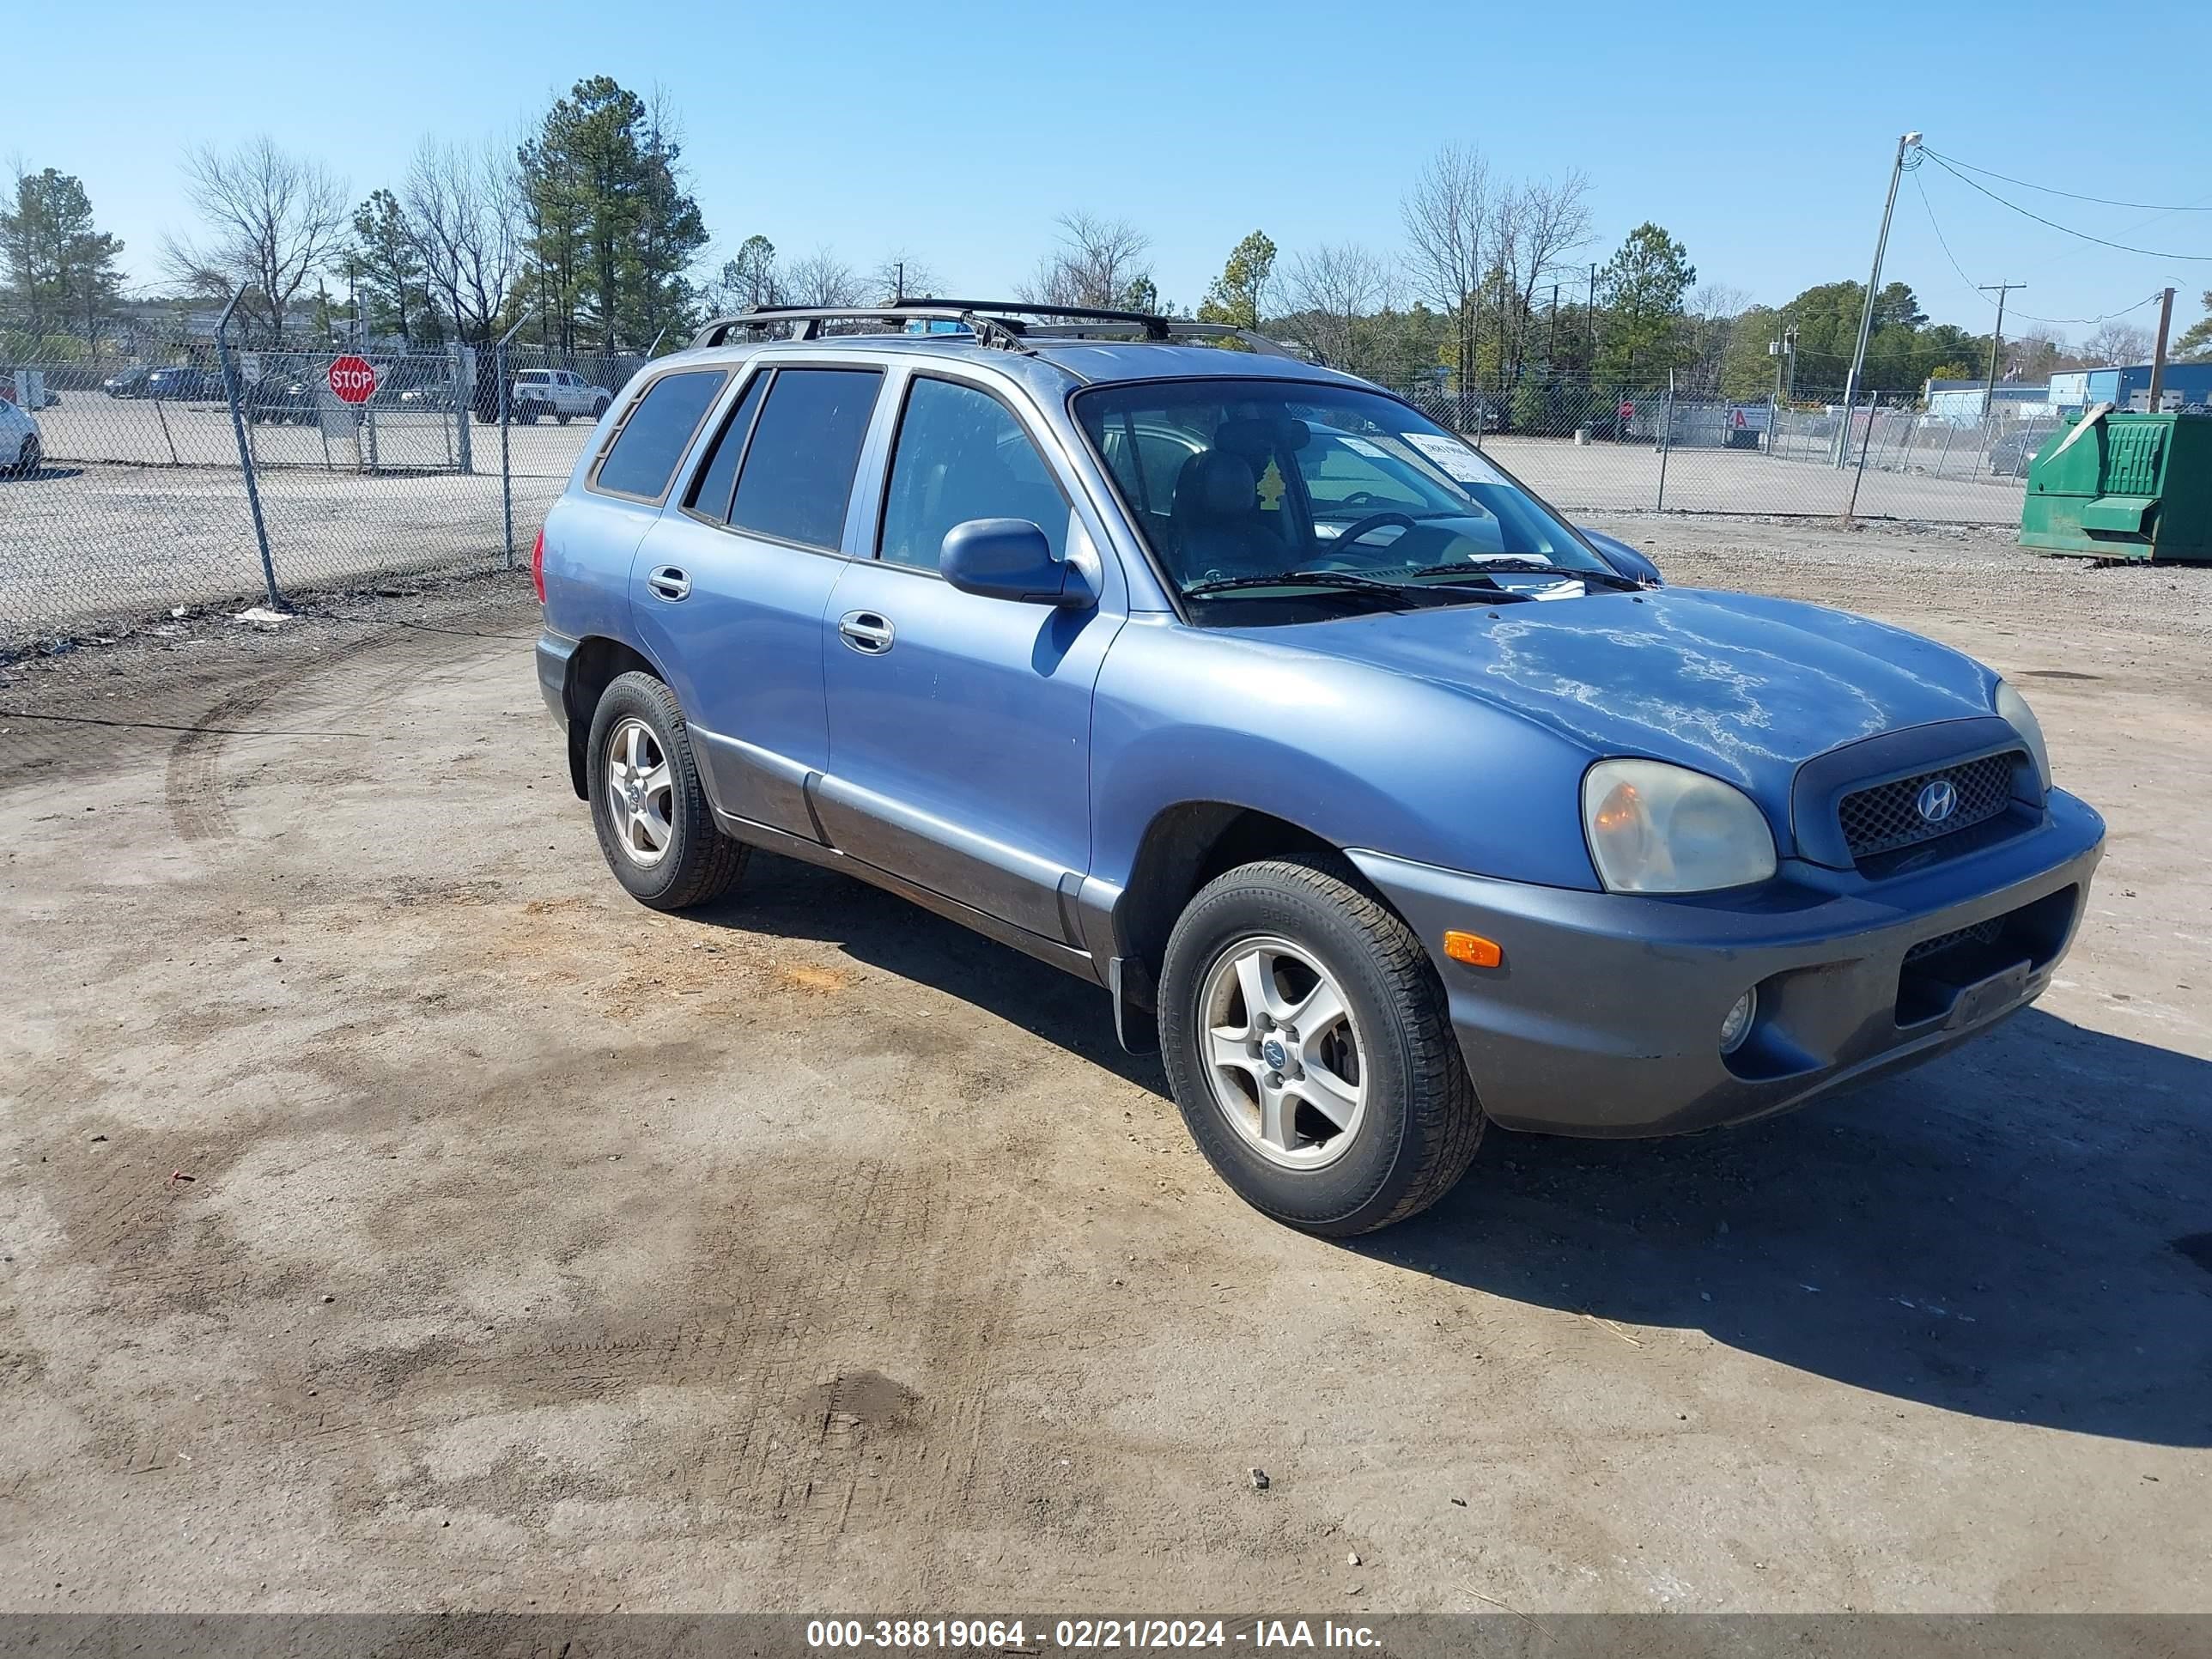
(1230, 480)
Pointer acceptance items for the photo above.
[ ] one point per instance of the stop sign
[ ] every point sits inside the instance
(353, 380)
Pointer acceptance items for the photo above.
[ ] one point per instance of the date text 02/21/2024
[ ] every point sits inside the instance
(835, 1635)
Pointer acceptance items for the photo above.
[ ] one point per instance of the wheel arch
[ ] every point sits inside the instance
(597, 662)
(1185, 846)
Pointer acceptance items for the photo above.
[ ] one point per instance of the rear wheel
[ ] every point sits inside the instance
(1309, 1044)
(29, 459)
(654, 824)
(561, 417)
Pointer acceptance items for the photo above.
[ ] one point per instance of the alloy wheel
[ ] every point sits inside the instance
(1283, 1056)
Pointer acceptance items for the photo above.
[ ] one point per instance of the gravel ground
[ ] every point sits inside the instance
(398, 1217)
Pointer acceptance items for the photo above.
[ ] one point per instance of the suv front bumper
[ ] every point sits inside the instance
(1603, 1016)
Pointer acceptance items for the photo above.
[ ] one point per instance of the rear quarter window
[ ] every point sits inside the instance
(654, 433)
(805, 447)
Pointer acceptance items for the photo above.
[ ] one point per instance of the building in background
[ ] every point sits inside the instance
(1958, 402)
(2187, 385)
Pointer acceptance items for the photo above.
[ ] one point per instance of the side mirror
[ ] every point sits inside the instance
(1622, 557)
(1011, 559)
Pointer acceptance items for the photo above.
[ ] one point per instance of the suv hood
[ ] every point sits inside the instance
(1744, 688)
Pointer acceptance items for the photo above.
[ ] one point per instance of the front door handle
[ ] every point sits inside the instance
(669, 583)
(865, 632)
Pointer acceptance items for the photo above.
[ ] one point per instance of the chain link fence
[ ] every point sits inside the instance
(1646, 445)
(210, 470)
(214, 472)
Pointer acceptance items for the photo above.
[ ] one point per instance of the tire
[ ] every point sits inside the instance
(28, 459)
(561, 418)
(1417, 1121)
(696, 863)
(598, 407)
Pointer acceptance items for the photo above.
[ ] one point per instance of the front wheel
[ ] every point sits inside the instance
(654, 825)
(28, 459)
(1309, 1044)
(561, 418)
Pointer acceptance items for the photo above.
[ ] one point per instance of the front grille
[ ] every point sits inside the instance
(1980, 933)
(1888, 816)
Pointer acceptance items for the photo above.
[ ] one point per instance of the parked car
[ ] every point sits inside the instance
(184, 385)
(561, 392)
(2011, 452)
(129, 383)
(1378, 799)
(21, 451)
(281, 400)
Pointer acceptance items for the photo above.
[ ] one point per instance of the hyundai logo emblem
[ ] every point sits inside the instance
(1275, 1054)
(1937, 801)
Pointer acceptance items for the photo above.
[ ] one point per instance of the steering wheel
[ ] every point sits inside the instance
(1352, 531)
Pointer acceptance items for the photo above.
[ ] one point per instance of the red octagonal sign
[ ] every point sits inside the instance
(353, 380)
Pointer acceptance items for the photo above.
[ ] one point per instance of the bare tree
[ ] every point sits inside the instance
(820, 279)
(1712, 308)
(900, 275)
(1533, 227)
(1329, 292)
(1449, 217)
(272, 221)
(1098, 262)
(465, 208)
(2116, 343)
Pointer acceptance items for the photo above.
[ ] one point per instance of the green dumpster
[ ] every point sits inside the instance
(2127, 487)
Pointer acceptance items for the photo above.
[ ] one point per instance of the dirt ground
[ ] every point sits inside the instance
(397, 1217)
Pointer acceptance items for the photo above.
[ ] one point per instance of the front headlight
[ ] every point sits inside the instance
(1659, 829)
(2013, 710)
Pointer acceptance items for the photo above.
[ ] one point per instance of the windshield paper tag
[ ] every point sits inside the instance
(1361, 446)
(1454, 457)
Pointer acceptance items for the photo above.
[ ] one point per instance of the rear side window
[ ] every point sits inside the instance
(805, 447)
(710, 496)
(655, 433)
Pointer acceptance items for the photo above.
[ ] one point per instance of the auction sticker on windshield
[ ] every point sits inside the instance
(1454, 458)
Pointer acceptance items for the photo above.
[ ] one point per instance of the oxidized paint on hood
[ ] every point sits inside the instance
(1744, 688)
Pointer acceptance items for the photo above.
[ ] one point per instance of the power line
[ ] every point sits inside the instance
(2149, 252)
(2075, 196)
(1943, 242)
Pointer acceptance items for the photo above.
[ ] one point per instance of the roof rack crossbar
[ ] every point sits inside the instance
(804, 322)
(1007, 324)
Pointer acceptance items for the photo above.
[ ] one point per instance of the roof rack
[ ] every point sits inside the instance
(992, 322)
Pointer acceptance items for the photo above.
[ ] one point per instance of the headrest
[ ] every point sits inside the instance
(1258, 438)
(1215, 484)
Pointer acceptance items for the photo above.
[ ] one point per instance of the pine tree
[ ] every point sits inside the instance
(60, 268)
(1643, 286)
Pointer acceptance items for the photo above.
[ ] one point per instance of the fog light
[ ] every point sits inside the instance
(1737, 1026)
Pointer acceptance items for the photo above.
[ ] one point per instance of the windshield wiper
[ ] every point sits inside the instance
(1345, 581)
(1487, 568)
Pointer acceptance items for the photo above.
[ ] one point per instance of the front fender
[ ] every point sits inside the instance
(1356, 756)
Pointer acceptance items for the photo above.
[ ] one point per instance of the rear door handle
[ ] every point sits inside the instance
(669, 583)
(865, 632)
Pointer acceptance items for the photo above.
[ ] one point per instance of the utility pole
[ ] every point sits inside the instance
(1589, 315)
(1997, 344)
(1551, 332)
(1874, 282)
(2158, 356)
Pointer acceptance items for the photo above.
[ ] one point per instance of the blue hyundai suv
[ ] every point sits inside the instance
(1383, 801)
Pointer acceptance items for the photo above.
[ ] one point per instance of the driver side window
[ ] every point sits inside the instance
(962, 455)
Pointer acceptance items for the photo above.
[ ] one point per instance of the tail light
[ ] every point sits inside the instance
(537, 567)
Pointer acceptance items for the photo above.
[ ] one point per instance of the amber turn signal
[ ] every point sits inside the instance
(1472, 948)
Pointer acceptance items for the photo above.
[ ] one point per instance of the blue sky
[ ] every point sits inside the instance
(1761, 137)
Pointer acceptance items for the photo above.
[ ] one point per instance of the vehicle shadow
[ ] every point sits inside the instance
(2016, 1232)
(786, 899)
(44, 472)
(2021, 1230)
